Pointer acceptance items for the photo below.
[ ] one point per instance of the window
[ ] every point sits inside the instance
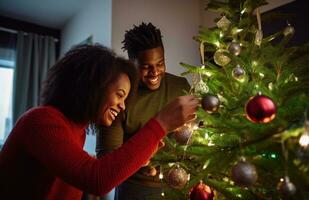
(6, 92)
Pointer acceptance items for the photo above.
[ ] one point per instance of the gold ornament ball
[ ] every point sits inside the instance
(221, 58)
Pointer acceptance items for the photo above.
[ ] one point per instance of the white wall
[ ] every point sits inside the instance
(95, 19)
(178, 21)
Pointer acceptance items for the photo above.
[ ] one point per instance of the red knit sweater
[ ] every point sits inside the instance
(43, 158)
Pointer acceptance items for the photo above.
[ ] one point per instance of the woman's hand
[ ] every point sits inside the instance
(177, 112)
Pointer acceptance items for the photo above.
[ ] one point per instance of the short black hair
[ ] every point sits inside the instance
(140, 38)
(77, 83)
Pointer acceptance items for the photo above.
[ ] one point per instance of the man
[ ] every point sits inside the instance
(156, 88)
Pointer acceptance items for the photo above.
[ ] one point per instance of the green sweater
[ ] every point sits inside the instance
(144, 106)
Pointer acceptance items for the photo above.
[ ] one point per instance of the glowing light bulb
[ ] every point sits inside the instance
(304, 140)
(160, 176)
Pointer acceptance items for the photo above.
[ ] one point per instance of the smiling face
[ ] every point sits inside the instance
(115, 99)
(151, 67)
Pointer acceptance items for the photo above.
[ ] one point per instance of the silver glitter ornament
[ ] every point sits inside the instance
(177, 178)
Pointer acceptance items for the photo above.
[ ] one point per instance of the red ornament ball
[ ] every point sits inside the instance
(201, 192)
(260, 109)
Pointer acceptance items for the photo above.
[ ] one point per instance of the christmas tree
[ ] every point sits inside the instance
(250, 138)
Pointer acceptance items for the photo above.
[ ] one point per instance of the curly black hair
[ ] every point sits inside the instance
(77, 83)
(140, 38)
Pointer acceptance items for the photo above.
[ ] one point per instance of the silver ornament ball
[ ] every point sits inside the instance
(286, 188)
(234, 48)
(238, 73)
(244, 174)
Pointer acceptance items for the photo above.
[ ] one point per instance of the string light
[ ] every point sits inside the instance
(210, 143)
(243, 11)
(217, 43)
(161, 176)
(270, 86)
(304, 140)
(221, 34)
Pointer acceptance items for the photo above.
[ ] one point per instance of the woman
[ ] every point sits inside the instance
(43, 157)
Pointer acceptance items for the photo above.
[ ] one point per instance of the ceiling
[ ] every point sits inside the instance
(48, 13)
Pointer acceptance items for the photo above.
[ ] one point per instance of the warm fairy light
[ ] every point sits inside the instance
(254, 63)
(243, 11)
(256, 86)
(225, 179)
(296, 78)
(206, 136)
(304, 140)
(162, 194)
(160, 175)
(221, 34)
(210, 143)
(239, 195)
(217, 43)
(261, 75)
(195, 127)
(281, 179)
(270, 86)
(209, 74)
(188, 177)
(236, 30)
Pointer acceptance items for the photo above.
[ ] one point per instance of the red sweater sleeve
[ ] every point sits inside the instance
(51, 142)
